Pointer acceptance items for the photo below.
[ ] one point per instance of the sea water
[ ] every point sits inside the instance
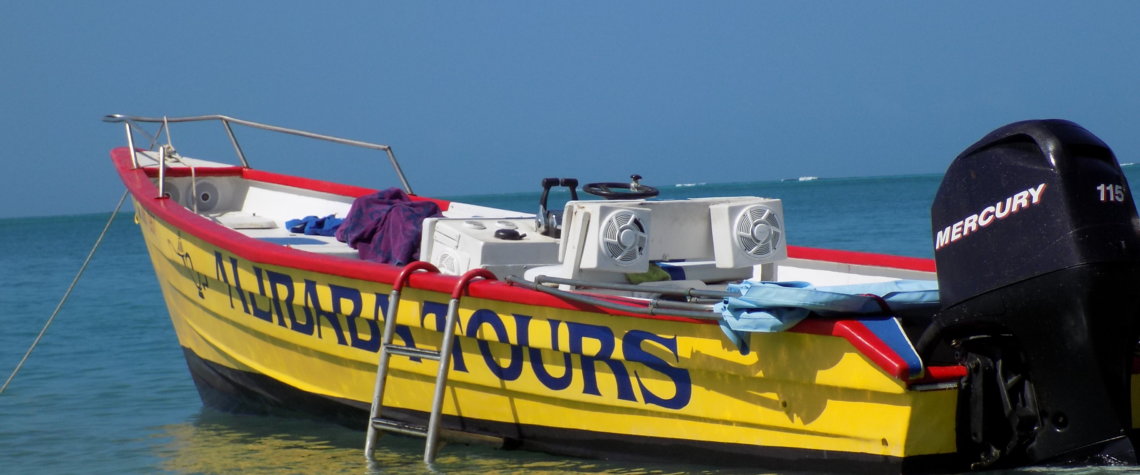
(107, 389)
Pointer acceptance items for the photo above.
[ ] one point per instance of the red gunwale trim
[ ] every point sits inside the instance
(467, 278)
(273, 178)
(863, 340)
(410, 269)
(305, 183)
(323, 186)
(938, 374)
(877, 351)
(862, 258)
(152, 172)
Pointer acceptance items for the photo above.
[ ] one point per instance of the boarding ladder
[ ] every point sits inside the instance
(443, 356)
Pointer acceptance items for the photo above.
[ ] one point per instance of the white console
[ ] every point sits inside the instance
(504, 246)
(707, 239)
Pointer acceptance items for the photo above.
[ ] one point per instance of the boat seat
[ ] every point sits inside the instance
(242, 220)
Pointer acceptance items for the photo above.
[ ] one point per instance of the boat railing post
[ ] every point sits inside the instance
(131, 144)
(162, 151)
(399, 171)
(233, 140)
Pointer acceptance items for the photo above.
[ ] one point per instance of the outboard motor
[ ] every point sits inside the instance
(1038, 256)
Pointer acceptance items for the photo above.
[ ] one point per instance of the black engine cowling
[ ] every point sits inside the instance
(1038, 255)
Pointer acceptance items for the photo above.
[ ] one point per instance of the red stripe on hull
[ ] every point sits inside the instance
(862, 258)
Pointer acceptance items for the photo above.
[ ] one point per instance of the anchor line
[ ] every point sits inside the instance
(66, 294)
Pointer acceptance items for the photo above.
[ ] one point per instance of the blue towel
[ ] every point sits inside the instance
(315, 226)
(777, 306)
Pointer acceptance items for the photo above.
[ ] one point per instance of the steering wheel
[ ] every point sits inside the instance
(621, 191)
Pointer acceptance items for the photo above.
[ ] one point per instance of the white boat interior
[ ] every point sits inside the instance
(700, 243)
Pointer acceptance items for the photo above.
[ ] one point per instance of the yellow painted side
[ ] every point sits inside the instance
(632, 376)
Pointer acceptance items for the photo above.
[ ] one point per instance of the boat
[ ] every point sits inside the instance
(644, 329)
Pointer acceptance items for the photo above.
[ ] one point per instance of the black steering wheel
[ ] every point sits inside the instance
(621, 191)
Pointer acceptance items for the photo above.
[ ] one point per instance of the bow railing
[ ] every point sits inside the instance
(131, 126)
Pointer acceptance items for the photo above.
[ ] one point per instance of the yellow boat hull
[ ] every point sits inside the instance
(559, 378)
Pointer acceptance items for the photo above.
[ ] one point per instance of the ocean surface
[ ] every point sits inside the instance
(107, 389)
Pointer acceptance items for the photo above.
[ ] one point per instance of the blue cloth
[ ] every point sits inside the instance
(385, 226)
(777, 306)
(315, 226)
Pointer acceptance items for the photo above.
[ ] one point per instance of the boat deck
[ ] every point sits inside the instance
(260, 209)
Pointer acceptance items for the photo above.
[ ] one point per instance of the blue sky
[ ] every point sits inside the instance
(491, 97)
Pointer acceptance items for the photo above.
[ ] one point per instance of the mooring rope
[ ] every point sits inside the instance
(66, 294)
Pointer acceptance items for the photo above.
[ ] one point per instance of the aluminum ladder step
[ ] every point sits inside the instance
(399, 427)
(412, 352)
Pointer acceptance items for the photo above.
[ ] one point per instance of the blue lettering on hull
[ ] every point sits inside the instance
(275, 301)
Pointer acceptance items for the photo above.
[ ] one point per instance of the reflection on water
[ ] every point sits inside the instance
(214, 442)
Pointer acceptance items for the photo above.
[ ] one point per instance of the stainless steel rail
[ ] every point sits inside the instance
(132, 121)
(655, 306)
(689, 293)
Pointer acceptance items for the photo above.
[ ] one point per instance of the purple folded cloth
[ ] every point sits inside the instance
(385, 226)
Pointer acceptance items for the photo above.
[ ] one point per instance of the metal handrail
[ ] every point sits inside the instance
(677, 292)
(651, 309)
(130, 122)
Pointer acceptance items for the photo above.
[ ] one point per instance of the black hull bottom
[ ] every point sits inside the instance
(241, 392)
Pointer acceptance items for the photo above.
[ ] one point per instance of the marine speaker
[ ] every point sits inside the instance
(206, 196)
(759, 232)
(448, 263)
(172, 191)
(623, 237)
(748, 231)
